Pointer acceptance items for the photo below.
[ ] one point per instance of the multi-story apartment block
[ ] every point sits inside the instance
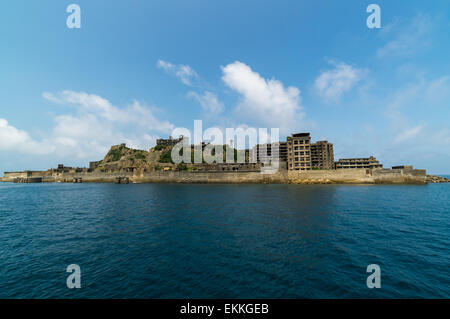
(299, 152)
(322, 155)
(266, 156)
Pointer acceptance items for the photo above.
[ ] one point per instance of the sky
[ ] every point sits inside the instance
(138, 69)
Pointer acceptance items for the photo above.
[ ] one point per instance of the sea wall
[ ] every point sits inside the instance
(400, 176)
(360, 176)
(31, 175)
(344, 176)
(214, 177)
(10, 176)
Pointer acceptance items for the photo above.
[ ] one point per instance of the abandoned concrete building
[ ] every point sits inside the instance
(322, 155)
(94, 165)
(262, 153)
(299, 151)
(168, 142)
(347, 163)
(219, 167)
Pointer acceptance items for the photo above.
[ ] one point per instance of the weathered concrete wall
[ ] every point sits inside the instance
(214, 177)
(11, 176)
(93, 177)
(332, 176)
(401, 176)
(347, 176)
(356, 176)
(39, 173)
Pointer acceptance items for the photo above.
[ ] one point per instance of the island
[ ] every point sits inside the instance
(298, 162)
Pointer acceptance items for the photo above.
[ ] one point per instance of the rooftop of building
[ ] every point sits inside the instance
(301, 135)
(359, 159)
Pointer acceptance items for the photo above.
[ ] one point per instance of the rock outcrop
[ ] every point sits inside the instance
(437, 179)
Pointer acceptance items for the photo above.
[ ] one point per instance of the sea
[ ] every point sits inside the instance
(158, 241)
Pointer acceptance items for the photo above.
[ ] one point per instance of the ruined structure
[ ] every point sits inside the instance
(168, 142)
(299, 152)
(347, 163)
(322, 155)
(94, 165)
(265, 153)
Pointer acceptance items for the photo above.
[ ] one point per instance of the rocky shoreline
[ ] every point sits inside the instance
(437, 179)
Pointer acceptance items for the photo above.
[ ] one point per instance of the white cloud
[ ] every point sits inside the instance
(94, 104)
(408, 134)
(87, 133)
(184, 72)
(408, 37)
(13, 139)
(208, 101)
(333, 83)
(438, 92)
(264, 100)
(417, 131)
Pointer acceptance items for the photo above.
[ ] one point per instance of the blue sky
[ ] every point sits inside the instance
(137, 69)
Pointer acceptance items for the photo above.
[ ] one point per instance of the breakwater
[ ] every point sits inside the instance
(340, 176)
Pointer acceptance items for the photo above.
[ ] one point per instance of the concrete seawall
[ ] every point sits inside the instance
(343, 176)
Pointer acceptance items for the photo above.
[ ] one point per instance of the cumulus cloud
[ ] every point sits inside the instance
(208, 101)
(88, 132)
(264, 100)
(185, 73)
(101, 107)
(333, 83)
(13, 139)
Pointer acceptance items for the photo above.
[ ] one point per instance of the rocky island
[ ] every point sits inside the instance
(123, 165)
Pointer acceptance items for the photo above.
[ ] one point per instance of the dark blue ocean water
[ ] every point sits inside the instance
(224, 241)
